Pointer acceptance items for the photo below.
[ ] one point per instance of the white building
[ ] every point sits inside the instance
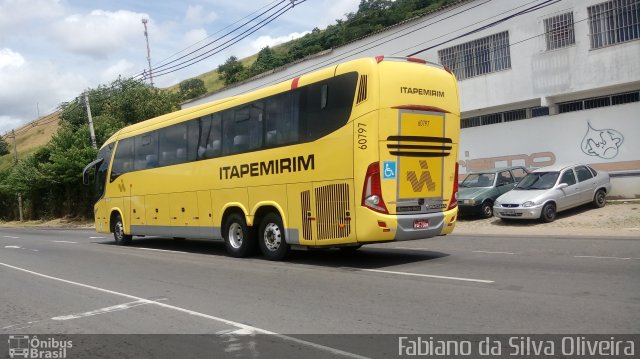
(541, 82)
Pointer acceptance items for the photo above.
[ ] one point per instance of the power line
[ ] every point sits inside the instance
(228, 43)
(350, 53)
(210, 36)
(219, 38)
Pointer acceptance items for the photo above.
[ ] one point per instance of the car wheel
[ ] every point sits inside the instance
(237, 236)
(486, 211)
(271, 238)
(548, 213)
(120, 237)
(599, 199)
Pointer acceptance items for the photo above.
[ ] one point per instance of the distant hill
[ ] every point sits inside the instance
(30, 137)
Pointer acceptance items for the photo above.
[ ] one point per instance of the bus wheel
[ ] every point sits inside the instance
(237, 237)
(272, 238)
(121, 238)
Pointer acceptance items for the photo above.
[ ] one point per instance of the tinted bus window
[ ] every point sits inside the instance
(123, 159)
(326, 106)
(213, 139)
(193, 136)
(242, 128)
(281, 124)
(173, 144)
(204, 124)
(146, 151)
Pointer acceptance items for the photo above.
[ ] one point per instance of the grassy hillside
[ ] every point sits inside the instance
(30, 138)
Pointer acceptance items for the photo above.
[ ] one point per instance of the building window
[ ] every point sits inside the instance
(613, 22)
(559, 31)
(602, 101)
(478, 57)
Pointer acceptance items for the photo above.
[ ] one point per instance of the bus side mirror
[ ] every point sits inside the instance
(89, 176)
(89, 172)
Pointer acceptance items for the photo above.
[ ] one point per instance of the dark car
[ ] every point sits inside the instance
(479, 190)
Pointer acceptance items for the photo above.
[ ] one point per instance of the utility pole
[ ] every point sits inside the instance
(91, 130)
(15, 162)
(146, 35)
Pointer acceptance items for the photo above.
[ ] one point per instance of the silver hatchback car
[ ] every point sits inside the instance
(546, 191)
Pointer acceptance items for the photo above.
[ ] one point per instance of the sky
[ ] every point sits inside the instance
(52, 50)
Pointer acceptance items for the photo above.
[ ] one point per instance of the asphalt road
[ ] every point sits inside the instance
(77, 281)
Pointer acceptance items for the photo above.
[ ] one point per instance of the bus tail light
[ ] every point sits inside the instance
(372, 191)
(453, 203)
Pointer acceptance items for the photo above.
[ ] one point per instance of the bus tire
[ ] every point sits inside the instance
(271, 238)
(120, 237)
(237, 236)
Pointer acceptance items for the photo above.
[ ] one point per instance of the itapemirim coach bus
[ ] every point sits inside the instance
(357, 153)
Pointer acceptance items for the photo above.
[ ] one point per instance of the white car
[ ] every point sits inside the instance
(546, 191)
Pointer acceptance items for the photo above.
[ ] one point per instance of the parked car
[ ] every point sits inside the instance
(479, 190)
(546, 191)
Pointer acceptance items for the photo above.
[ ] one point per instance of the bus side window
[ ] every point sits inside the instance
(173, 144)
(204, 125)
(146, 151)
(214, 137)
(281, 127)
(123, 159)
(193, 137)
(328, 104)
(242, 128)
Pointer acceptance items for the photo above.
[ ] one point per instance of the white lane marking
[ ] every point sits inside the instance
(17, 247)
(114, 308)
(65, 242)
(490, 252)
(96, 237)
(599, 257)
(244, 327)
(11, 237)
(20, 326)
(428, 275)
(159, 250)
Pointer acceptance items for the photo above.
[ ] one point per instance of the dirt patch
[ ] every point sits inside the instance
(620, 219)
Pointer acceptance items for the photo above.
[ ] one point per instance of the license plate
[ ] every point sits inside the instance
(509, 212)
(421, 224)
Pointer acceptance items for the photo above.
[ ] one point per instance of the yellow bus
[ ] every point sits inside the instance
(357, 153)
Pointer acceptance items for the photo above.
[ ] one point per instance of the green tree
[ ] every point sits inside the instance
(231, 70)
(192, 88)
(4, 147)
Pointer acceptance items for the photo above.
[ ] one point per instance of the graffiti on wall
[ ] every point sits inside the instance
(535, 160)
(602, 143)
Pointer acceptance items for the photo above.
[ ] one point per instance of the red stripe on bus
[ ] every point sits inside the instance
(294, 83)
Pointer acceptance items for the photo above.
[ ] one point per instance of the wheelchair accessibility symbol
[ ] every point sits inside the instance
(389, 170)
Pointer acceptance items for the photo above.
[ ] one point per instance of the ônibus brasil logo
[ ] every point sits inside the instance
(25, 346)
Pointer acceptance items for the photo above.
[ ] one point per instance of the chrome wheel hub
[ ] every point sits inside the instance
(272, 237)
(235, 235)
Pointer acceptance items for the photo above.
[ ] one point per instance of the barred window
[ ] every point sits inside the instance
(559, 31)
(614, 22)
(478, 57)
